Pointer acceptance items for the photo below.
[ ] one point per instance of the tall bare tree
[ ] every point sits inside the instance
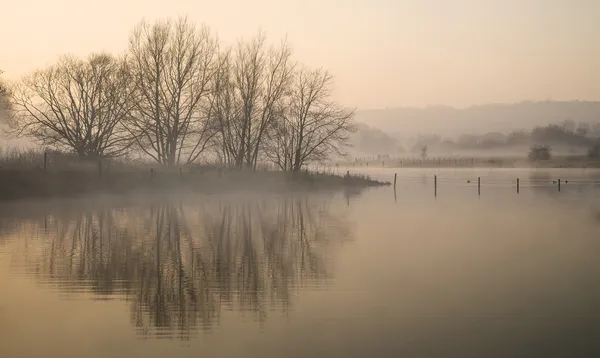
(313, 127)
(225, 113)
(172, 63)
(75, 105)
(248, 93)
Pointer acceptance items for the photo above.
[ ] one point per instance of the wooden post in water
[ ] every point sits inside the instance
(517, 185)
(45, 160)
(478, 185)
(395, 175)
(100, 168)
(151, 174)
(180, 174)
(435, 185)
(559, 185)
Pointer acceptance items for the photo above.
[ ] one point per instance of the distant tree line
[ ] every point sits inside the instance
(567, 134)
(178, 96)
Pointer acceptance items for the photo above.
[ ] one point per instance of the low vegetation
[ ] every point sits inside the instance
(23, 174)
(539, 152)
(594, 151)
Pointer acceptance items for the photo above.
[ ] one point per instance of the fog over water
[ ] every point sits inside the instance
(330, 274)
(307, 178)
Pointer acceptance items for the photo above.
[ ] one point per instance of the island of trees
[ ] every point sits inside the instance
(177, 96)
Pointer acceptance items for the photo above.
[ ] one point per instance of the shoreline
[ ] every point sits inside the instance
(38, 184)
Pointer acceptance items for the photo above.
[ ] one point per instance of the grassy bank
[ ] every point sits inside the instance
(37, 183)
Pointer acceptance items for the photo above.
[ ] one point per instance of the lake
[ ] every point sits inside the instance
(372, 273)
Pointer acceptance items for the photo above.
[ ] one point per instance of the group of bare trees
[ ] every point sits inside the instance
(177, 96)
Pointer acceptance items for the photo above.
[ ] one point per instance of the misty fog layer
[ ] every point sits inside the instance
(488, 130)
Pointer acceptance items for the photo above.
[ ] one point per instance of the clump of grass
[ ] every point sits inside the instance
(20, 158)
(355, 180)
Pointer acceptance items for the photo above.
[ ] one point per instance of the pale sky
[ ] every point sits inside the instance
(383, 53)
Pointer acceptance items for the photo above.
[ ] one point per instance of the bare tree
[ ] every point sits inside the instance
(424, 152)
(248, 92)
(225, 113)
(313, 127)
(75, 105)
(2, 87)
(4, 98)
(172, 64)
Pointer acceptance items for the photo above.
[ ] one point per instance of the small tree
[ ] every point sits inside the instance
(424, 152)
(2, 88)
(539, 152)
(594, 151)
(4, 102)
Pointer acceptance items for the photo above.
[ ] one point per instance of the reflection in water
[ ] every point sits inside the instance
(180, 266)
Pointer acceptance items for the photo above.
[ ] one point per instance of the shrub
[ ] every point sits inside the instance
(594, 151)
(539, 152)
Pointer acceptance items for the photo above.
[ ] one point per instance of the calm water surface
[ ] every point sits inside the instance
(345, 274)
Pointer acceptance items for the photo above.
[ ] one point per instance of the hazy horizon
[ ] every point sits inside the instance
(384, 54)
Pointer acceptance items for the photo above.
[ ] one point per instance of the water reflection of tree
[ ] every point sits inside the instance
(181, 266)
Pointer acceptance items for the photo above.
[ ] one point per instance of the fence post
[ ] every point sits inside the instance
(45, 160)
(435, 185)
(517, 185)
(395, 175)
(478, 185)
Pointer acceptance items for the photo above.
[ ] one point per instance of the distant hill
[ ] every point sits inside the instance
(372, 141)
(452, 122)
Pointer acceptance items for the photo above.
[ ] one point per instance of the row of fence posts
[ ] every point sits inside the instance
(437, 161)
(435, 186)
